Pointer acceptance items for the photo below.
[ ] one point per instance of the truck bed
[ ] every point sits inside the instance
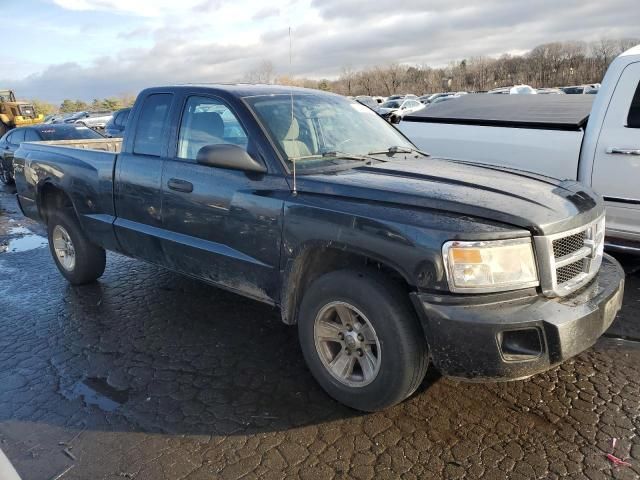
(83, 168)
(548, 112)
(535, 133)
(113, 145)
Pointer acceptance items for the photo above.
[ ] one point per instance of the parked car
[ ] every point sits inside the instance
(115, 127)
(58, 118)
(442, 98)
(550, 91)
(592, 139)
(367, 102)
(10, 142)
(90, 119)
(513, 90)
(522, 90)
(500, 91)
(399, 107)
(581, 89)
(385, 258)
(427, 99)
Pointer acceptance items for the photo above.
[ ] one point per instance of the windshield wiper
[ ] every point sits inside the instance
(337, 155)
(397, 149)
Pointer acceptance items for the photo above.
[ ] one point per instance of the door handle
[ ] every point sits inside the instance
(180, 185)
(624, 151)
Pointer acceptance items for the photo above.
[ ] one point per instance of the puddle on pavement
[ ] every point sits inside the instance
(96, 391)
(25, 242)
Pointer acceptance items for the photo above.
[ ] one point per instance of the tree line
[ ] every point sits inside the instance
(549, 65)
(70, 106)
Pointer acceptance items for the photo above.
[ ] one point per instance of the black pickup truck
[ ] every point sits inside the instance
(385, 258)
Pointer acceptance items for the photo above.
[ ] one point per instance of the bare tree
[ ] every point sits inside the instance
(263, 73)
(547, 65)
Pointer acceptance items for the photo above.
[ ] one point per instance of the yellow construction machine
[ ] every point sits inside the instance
(14, 113)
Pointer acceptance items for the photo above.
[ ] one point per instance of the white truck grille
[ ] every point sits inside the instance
(569, 260)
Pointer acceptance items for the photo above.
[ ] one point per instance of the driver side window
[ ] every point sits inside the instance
(208, 121)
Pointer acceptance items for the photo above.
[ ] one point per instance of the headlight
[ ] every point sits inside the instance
(491, 266)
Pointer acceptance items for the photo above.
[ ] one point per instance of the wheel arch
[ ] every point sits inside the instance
(52, 197)
(315, 259)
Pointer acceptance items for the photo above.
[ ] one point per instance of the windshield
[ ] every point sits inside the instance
(391, 104)
(323, 124)
(6, 96)
(368, 101)
(69, 133)
(76, 115)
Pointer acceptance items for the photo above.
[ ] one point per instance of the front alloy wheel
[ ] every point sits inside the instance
(361, 338)
(347, 344)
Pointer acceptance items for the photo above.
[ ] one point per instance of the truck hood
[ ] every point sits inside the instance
(539, 204)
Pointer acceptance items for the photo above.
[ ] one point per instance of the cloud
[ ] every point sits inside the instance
(143, 8)
(266, 12)
(227, 39)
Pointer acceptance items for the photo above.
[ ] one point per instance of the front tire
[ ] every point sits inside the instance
(361, 339)
(77, 259)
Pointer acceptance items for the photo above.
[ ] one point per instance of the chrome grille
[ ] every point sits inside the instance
(568, 272)
(569, 260)
(568, 245)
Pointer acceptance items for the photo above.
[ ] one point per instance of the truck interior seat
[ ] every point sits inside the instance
(207, 128)
(292, 144)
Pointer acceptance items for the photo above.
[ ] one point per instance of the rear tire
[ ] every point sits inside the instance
(5, 176)
(77, 259)
(386, 350)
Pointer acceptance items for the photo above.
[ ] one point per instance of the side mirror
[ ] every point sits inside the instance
(395, 119)
(229, 156)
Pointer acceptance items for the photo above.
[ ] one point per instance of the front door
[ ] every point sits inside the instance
(222, 225)
(616, 171)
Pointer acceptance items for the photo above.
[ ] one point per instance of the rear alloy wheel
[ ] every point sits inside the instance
(63, 248)
(77, 259)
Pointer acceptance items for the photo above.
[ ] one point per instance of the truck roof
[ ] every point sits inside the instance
(549, 112)
(632, 51)
(240, 89)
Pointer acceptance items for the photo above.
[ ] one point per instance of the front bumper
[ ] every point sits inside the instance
(488, 337)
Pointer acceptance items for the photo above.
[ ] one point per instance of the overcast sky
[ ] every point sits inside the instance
(56, 49)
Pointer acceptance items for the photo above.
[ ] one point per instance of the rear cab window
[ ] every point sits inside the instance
(633, 118)
(151, 124)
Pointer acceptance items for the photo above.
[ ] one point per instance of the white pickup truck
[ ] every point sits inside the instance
(593, 140)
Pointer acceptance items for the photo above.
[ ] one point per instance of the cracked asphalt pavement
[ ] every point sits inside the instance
(150, 375)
